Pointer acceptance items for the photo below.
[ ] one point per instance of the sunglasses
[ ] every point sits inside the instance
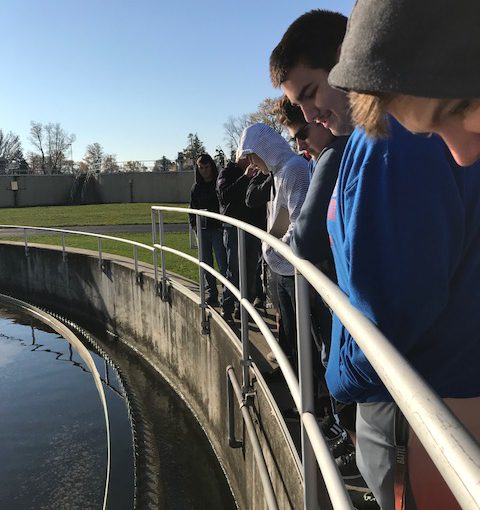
(302, 133)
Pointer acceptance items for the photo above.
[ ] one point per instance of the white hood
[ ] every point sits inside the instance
(266, 143)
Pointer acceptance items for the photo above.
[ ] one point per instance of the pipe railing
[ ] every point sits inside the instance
(453, 450)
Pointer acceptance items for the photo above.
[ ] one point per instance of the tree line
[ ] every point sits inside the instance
(52, 149)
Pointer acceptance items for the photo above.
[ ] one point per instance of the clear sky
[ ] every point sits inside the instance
(138, 75)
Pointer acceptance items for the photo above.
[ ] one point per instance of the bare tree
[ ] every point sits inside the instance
(266, 113)
(51, 142)
(233, 130)
(235, 125)
(133, 166)
(10, 146)
(94, 158)
(110, 164)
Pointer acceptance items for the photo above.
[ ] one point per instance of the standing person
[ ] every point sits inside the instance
(403, 222)
(232, 184)
(326, 150)
(267, 151)
(436, 89)
(204, 196)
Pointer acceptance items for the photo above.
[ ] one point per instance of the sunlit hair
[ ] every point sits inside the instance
(288, 114)
(312, 40)
(369, 112)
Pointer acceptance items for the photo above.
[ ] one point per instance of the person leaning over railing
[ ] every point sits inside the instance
(269, 152)
(326, 150)
(232, 185)
(435, 90)
(404, 224)
(204, 196)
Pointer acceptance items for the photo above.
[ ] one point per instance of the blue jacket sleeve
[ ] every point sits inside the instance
(401, 224)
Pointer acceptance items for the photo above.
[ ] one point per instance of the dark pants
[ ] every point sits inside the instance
(285, 293)
(253, 251)
(212, 243)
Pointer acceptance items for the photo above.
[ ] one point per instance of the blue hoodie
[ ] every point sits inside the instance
(404, 225)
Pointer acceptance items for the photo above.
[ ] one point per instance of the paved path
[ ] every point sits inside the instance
(103, 229)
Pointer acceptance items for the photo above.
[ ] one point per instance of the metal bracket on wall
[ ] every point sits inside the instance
(205, 321)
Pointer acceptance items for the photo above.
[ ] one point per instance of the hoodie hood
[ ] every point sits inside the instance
(266, 143)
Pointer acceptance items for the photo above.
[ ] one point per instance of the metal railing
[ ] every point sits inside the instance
(453, 450)
(62, 232)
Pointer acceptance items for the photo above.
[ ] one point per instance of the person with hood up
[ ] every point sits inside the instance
(204, 196)
(270, 153)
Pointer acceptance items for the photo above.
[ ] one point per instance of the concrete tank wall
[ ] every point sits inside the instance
(167, 334)
(36, 190)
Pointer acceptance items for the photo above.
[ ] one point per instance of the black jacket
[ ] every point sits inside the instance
(232, 187)
(204, 196)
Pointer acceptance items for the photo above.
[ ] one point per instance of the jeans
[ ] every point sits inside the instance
(285, 289)
(212, 242)
(253, 251)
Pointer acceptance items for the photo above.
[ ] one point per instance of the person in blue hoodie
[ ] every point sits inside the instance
(404, 225)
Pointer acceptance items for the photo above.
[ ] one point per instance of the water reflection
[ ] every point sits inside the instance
(52, 439)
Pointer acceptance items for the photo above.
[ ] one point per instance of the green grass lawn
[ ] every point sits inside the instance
(102, 214)
(173, 263)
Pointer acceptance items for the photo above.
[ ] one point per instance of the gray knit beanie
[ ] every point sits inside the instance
(424, 48)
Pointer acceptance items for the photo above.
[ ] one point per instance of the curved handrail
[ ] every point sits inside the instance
(78, 232)
(451, 447)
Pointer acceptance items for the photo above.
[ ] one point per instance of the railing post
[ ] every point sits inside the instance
(191, 237)
(201, 275)
(135, 262)
(26, 241)
(155, 254)
(64, 253)
(232, 442)
(161, 235)
(100, 257)
(305, 374)
(242, 273)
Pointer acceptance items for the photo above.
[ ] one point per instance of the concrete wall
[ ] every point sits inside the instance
(167, 334)
(34, 190)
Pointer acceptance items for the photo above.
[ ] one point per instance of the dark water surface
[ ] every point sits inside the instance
(53, 450)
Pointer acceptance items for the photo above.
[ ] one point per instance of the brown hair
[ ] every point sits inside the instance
(288, 114)
(369, 112)
(312, 40)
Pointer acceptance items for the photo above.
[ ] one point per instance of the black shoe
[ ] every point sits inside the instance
(259, 303)
(226, 315)
(332, 431)
(347, 466)
(363, 500)
(342, 447)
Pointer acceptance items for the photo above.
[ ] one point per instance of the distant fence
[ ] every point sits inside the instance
(33, 190)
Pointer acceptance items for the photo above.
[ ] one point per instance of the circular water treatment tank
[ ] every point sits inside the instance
(53, 442)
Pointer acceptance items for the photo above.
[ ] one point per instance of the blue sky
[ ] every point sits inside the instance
(138, 76)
